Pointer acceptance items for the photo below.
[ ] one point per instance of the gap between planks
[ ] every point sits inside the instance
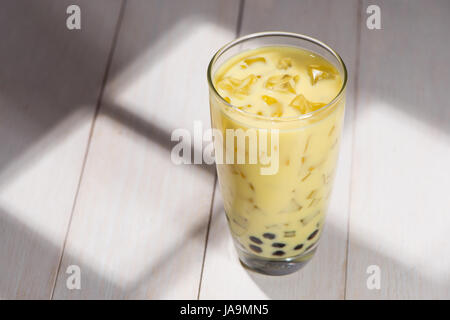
(91, 131)
(355, 108)
(237, 34)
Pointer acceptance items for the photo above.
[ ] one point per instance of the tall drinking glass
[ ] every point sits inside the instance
(265, 88)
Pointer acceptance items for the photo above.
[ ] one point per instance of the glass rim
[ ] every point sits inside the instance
(239, 40)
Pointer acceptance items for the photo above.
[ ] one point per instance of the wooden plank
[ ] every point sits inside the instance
(140, 222)
(400, 215)
(224, 278)
(50, 79)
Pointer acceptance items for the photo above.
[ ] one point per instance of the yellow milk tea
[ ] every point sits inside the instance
(286, 88)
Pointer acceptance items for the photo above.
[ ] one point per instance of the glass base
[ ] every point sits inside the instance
(275, 267)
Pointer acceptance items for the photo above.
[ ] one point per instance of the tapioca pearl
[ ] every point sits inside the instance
(278, 253)
(255, 248)
(255, 240)
(298, 247)
(310, 246)
(312, 235)
(269, 235)
(278, 245)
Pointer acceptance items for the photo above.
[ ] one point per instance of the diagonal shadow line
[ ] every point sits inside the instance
(145, 128)
(161, 136)
(42, 251)
(151, 131)
(289, 287)
(54, 94)
(77, 99)
(196, 233)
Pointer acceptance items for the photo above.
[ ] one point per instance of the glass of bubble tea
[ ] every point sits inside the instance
(277, 103)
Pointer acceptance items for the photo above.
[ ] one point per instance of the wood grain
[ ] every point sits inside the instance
(50, 79)
(224, 278)
(400, 214)
(139, 225)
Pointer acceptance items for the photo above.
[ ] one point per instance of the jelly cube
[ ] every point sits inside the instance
(304, 105)
(236, 86)
(269, 100)
(284, 83)
(284, 63)
(317, 72)
(252, 60)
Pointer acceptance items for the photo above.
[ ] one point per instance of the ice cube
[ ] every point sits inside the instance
(252, 60)
(284, 83)
(304, 105)
(284, 63)
(278, 112)
(317, 72)
(269, 100)
(237, 87)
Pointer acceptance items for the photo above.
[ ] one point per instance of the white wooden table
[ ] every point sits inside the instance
(86, 178)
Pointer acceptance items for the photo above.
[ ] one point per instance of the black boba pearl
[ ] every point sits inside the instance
(269, 236)
(312, 235)
(255, 248)
(278, 253)
(278, 245)
(255, 240)
(298, 247)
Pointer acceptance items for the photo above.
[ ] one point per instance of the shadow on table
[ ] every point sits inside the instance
(22, 243)
(354, 285)
(48, 74)
(389, 68)
(42, 253)
(50, 82)
(34, 252)
(51, 78)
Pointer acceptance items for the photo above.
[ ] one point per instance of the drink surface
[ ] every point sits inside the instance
(278, 81)
(279, 215)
